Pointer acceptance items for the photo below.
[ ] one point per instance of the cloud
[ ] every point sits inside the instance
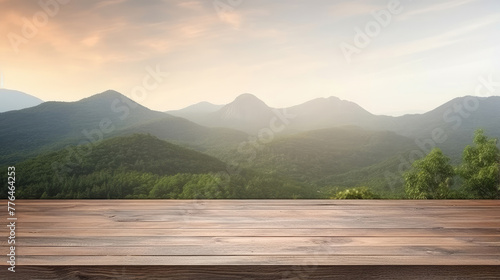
(191, 5)
(91, 41)
(103, 4)
(353, 8)
(232, 18)
(432, 42)
(435, 8)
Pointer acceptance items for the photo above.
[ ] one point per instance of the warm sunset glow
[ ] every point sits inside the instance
(284, 52)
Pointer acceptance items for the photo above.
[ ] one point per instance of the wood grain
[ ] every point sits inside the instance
(255, 239)
(268, 272)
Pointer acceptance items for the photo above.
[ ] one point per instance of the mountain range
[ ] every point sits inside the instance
(16, 100)
(319, 144)
(250, 114)
(53, 125)
(449, 126)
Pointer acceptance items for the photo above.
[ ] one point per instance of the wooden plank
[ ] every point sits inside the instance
(387, 232)
(263, 241)
(262, 249)
(137, 205)
(284, 224)
(342, 222)
(258, 260)
(283, 213)
(269, 272)
(168, 205)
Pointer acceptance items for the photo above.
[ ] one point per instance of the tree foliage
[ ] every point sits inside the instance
(480, 167)
(142, 166)
(356, 193)
(430, 177)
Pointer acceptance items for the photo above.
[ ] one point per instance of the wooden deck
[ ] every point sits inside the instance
(254, 239)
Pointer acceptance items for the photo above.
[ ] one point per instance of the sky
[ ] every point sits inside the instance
(390, 57)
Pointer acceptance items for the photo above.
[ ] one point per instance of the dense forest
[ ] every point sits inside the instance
(143, 166)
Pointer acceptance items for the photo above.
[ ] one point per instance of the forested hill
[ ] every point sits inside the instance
(137, 153)
(327, 157)
(141, 166)
(146, 153)
(53, 125)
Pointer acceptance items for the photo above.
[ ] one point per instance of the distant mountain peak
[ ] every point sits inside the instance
(327, 100)
(247, 102)
(247, 110)
(105, 94)
(16, 100)
(111, 92)
(109, 96)
(249, 99)
(203, 103)
(246, 96)
(334, 98)
(331, 103)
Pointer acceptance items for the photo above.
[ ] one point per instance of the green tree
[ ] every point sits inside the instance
(480, 167)
(430, 177)
(356, 193)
